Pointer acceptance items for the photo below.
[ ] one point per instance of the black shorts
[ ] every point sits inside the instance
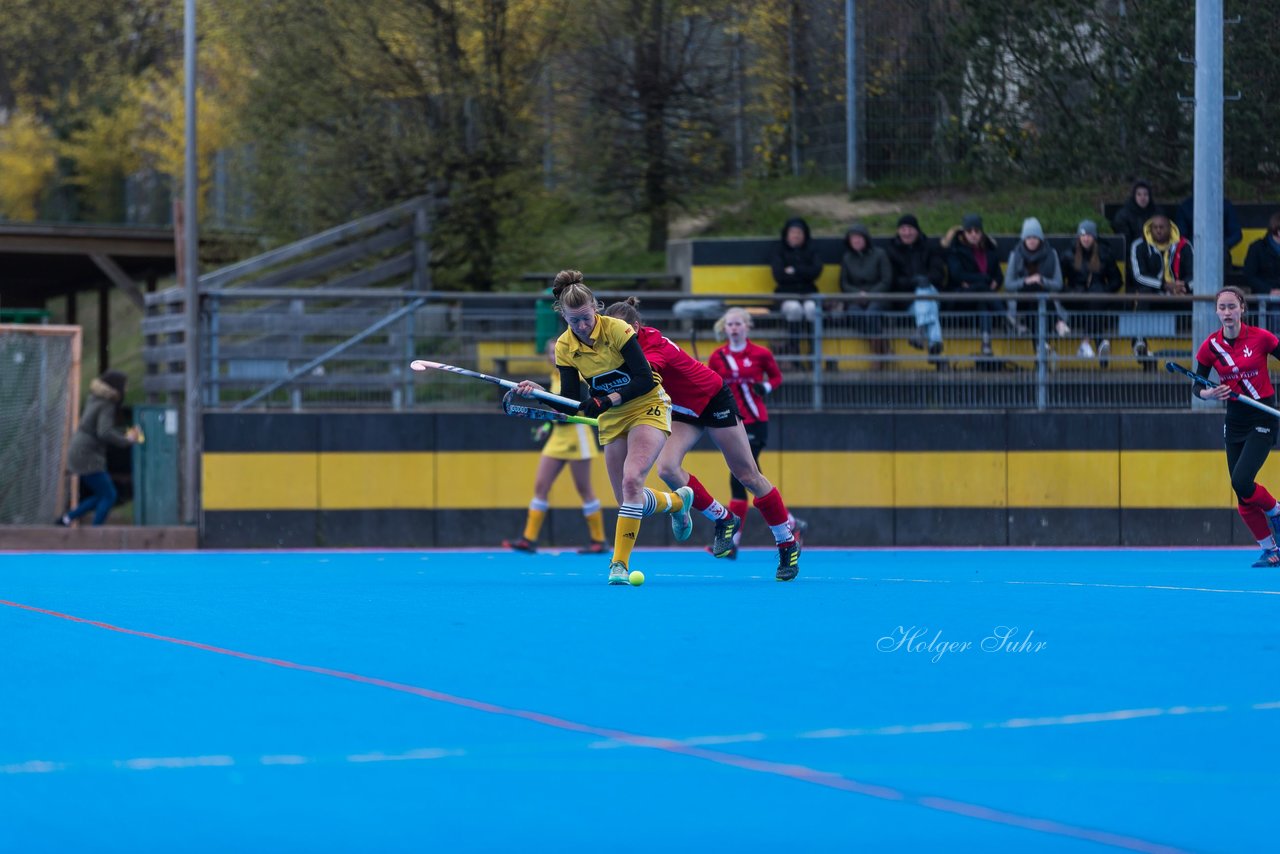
(1243, 421)
(721, 411)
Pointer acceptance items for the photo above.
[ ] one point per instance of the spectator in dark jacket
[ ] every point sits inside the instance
(1231, 232)
(973, 267)
(1129, 220)
(1089, 267)
(865, 272)
(1262, 268)
(87, 456)
(919, 269)
(1262, 262)
(796, 269)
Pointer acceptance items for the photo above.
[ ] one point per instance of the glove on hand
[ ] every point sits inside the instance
(592, 407)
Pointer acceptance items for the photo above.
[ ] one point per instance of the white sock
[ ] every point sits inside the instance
(781, 533)
(1274, 511)
(1268, 544)
(715, 512)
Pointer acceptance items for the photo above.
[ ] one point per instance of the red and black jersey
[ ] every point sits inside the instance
(688, 382)
(741, 370)
(1242, 363)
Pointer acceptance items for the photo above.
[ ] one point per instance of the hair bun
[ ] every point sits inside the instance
(564, 279)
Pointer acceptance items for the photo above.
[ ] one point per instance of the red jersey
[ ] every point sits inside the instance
(689, 383)
(1241, 364)
(752, 364)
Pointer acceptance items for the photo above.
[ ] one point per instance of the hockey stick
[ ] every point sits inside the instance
(423, 364)
(510, 407)
(1175, 368)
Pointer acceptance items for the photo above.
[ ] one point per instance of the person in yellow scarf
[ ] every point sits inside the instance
(1162, 262)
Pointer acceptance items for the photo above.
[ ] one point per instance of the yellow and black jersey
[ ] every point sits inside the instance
(603, 366)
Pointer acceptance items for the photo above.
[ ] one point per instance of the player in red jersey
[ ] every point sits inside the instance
(1238, 353)
(701, 402)
(751, 374)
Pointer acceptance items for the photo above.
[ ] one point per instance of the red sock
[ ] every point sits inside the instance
(1255, 520)
(772, 508)
(1261, 498)
(738, 507)
(701, 498)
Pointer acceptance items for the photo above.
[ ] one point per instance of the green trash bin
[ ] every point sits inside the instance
(156, 466)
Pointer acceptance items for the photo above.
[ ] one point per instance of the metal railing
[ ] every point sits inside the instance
(340, 348)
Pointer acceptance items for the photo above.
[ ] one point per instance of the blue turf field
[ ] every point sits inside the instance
(468, 701)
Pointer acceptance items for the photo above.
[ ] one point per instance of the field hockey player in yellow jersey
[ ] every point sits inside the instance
(572, 445)
(625, 395)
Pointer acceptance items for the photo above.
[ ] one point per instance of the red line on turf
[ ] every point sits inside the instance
(762, 766)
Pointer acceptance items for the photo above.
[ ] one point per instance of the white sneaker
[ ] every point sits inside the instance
(1104, 354)
(618, 573)
(681, 523)
(1062, 329)
(1085, 351)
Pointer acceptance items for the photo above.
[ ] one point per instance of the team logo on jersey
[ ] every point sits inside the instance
(746, 362)
(1247, 352)
(1263, 429)
(610, 381)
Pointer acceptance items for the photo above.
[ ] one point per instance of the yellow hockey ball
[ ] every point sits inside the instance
(636, 578)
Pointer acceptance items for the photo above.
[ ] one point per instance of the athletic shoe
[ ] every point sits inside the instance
(595, 547)
(1270, 559)
(722, 545)
(1085, 351)
(63, 521)
(1140, 349)
(788, 561)
(799, 528)
(1104, 354)
(732, 555)
(681, 523)
(520, 544)
(618, 573)
(1062, 329)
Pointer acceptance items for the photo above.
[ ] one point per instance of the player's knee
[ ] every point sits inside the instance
(1243, 488)
(670, 475)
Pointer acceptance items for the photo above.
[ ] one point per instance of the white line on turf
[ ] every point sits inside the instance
(152, 763)
(965, 726)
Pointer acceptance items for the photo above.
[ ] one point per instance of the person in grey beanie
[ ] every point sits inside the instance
(1033, 268)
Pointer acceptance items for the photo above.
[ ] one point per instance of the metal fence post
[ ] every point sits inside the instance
(817, 352)
(1042, 353)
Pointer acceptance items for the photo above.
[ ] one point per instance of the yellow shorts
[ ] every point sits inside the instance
(571, 442)
(616, 423)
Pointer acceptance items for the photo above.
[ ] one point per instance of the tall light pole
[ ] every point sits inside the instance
(190, 277)
(1208, 165)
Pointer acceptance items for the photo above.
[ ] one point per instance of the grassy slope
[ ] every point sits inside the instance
(760, 208)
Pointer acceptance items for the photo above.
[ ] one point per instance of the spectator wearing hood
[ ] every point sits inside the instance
(973, 267)
(865, 272)
(921, 270)
(1132, 216)
(796, 269)
(88, 453)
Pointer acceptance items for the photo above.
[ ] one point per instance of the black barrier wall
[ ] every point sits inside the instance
(971, 479)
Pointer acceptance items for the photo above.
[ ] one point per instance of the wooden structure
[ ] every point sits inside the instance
(40, 262)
